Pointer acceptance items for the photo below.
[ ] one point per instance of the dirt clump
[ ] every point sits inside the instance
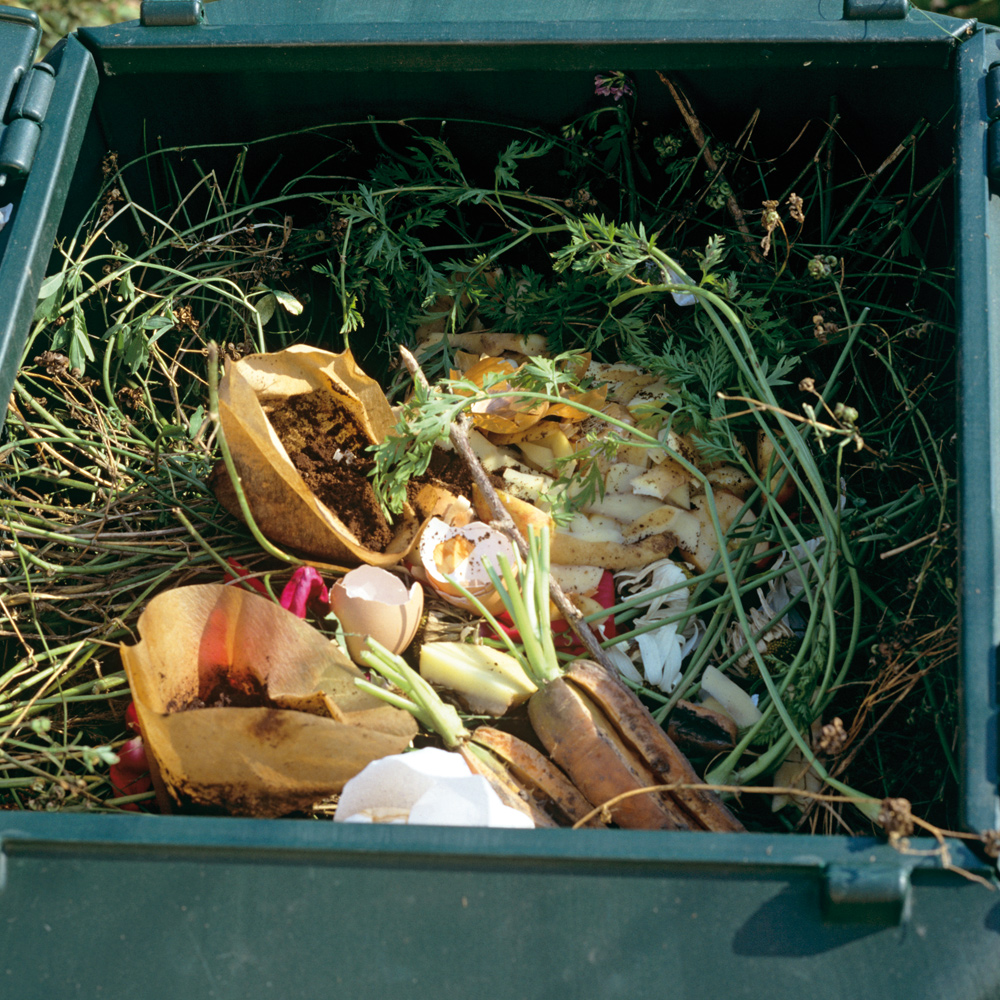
(329, 449)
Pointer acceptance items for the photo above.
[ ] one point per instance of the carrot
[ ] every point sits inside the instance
(534, 771)
(586, 745)
(519, 775)
(592, 725)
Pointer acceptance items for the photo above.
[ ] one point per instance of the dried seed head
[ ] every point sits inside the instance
(53, 362)
(821, 266)
(184, 317)
(832, 737)
(795, 208)
(129, 398)
(771, 218)
(896, 818)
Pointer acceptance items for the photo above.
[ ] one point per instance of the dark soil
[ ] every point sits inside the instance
(228, 691)
(237, 692)
(329, 449)
(447, 469)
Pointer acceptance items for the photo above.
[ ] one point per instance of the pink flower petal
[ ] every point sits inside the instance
(305, 590)
(239, 573)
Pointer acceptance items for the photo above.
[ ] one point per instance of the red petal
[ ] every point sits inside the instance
(242, 573)
(305, 590)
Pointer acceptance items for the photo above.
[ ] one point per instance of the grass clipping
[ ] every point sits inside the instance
(245, 707)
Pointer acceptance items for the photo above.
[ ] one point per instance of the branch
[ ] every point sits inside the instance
(694, 127)
(502, 521)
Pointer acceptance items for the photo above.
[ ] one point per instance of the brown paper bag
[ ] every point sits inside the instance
(294, 727)
(285, 508)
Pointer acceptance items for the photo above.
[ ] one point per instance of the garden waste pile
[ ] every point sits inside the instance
(596, 476)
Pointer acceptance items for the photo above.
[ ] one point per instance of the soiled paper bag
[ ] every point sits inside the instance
(293, 726)
(284, 507)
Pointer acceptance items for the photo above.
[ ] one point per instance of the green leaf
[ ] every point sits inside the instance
(137, 351)
(195, 421)
(126, 289)
(133, 346)
(51, 284)
(80, 350)
(50, 297)
(265, 307)
(504, 172)
(288, 302)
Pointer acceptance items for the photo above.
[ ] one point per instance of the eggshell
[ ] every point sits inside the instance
(462, 552)
(370, 601)
(426, 787)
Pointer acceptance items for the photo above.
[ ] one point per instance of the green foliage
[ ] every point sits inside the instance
(587, 237)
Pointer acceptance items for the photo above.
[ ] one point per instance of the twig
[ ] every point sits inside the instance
(698, 134)
(502, 521)
(721, 790)
(932, 537)
(846, 432)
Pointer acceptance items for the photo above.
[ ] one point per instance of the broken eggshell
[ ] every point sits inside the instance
(370, 601)
(463, 553)
(427, 787)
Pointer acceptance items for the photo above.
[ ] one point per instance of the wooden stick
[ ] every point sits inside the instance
(694, 127)
(502, 521)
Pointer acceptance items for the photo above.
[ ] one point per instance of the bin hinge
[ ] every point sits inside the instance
(19, 137)
(867, 894)
(25, 91)
(875, 10)
(170, 13)
(20, 33)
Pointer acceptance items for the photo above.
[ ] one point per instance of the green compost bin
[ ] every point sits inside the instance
(171, 906)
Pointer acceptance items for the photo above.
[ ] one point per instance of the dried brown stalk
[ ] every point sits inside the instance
(698, 134)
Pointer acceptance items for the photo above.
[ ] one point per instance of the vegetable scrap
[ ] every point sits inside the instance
(614, 464)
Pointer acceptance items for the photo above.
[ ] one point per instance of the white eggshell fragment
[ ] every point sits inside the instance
(429, 787)
(370, 601)
(466, 802)
(463, 552)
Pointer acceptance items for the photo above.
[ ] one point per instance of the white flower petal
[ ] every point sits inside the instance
(625, 666)
(652, 658)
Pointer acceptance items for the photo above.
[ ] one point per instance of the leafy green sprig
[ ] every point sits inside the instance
(426, 418)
